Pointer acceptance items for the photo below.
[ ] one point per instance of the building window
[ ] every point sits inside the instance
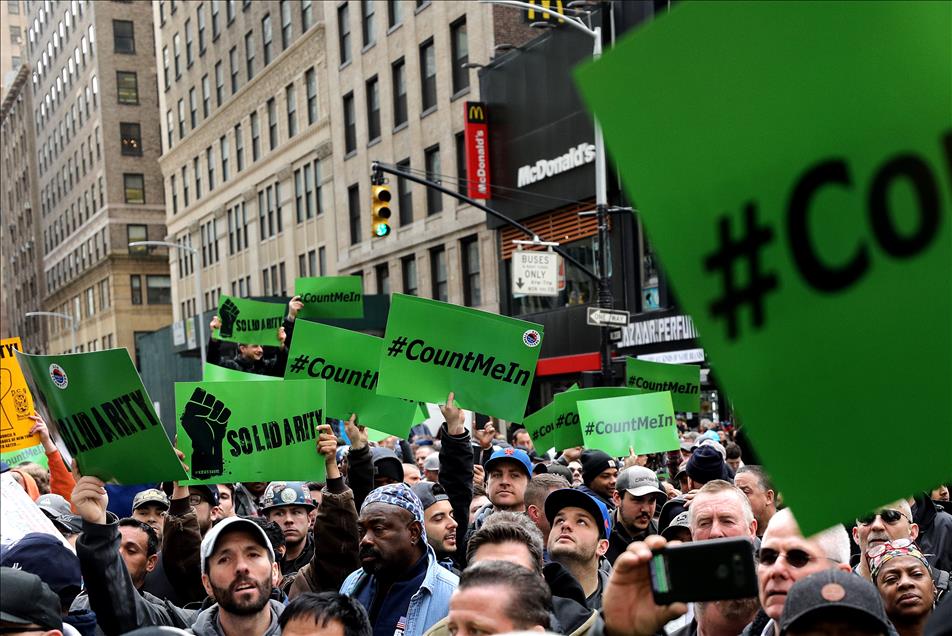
(394, 13)
(255, 138)
(353, 210)
(408, 266)
(123, 36)
(177, 54)
(459, 55)
(249, 55)
(399, 70)
(404, 194)
(272, 124)
(307, 15)
(134, 187)
(266, 37)
(197, 171)
(165, 67)
(350, 124)
(192, 107)
(367, 24)
(434, 199)
(472, 292)
(321, 261)
(185, 186)
(216, 30)
(181, 119)
(189, 57)
(135, 287)
(462, 178)
(137, 232)
(219, 84)
(343, 32)
(383, 279)
(223, 148)
(130, 136)
(290, 100)
(206, 97)
(233, 68)
(428, 74)
(158, 290)
(239, 148)
(210, 161)
(438, 273)
(308, 178)
(201, 29)
(373, 109)
(310, 79)
(127, 87)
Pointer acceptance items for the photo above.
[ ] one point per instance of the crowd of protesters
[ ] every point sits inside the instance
(462, 533)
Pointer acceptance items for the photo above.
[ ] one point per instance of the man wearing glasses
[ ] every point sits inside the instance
(785, 557)
(887, 524)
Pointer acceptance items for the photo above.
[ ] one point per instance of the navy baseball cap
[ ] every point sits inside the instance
(45, 556)
(572, 498)
(510, 454)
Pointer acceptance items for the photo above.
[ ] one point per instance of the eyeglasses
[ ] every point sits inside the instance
(888, 515)
(194, 500)
(797, 558)
(882, 548)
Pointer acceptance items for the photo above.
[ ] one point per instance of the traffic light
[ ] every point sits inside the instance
(380, 210)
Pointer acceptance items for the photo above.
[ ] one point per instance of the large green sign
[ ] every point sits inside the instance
(557, 424)
(330, 297)
(214, 373)
(102, 412)
(432, 348)
(347, 361)
(806, 147)
(249, 321)
(643, 422)
(236, 431)
(683, 381)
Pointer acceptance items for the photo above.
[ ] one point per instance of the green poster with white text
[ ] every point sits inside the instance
(347, 361)
(432, 348)
(249, 321)
(683, 381)
(240, 431)
(644, 422)
(97, 404)
(330, 297)
(792, 168)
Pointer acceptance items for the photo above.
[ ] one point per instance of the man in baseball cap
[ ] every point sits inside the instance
(150, 507)
(637, 496)
(27, 604)
(438, 521)
(508, 471)
(289, 504)
(599, 474)
(581, 525)
(834, 602)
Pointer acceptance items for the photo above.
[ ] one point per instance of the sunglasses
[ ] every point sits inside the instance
(879, 550)
(797, 558)
(889, 516)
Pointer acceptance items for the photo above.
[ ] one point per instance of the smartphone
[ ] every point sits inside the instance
(480, 421)
(714, 570)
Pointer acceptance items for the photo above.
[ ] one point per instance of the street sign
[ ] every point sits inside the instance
(599, 317)
(535, 273)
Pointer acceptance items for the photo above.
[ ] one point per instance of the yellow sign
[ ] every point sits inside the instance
(16, 404)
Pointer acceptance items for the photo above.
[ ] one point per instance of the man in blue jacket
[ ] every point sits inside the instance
(400, 584)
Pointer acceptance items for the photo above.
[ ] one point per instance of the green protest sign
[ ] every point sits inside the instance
(249, 321)
(235, 431)
(815, 189)
(557, 424)
(348, 361)
(683, 381)
(102, 412)
(330, 297)
(214, 373)
(432, 348)
(644, 422)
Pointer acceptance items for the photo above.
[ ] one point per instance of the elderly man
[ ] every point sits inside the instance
(885, 525)
(637, 496)
(401, 584)
(721, 510)
(760, 493)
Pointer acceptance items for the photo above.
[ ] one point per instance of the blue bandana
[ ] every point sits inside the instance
(398, 495)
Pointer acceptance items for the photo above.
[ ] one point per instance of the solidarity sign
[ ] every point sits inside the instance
(16, 407)
(817, 192)
(431, 348)
(235, 431)
(347, 361)
(642, 422)
(98, 405)
(683, 381)
(249, 321)
(557, 424)
(330, 297)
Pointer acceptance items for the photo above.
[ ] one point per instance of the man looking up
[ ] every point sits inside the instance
(755, 483)
(579, 537)
(289, 504)
(637, 496)
(398, 565)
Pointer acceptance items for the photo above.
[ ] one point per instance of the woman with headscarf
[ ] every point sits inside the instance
(904, 579)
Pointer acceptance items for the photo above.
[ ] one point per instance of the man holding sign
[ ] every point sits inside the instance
(250, 356)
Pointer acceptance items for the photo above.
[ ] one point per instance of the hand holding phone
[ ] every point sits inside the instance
(713, 570)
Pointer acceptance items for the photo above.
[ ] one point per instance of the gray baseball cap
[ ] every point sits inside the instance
(234, 523)
(639, 481)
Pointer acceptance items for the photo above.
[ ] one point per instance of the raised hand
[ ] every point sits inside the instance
(356, 433)
(229, 313)
(294, 306)
(453, 416)
(42, 430)
(205, 420)
(484, 437)
(89, 498)
(327, 446)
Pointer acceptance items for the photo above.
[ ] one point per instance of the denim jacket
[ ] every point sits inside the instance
(428, 605)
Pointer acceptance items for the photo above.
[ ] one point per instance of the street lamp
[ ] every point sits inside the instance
(605, 299)
(198, 284)
(66, 317)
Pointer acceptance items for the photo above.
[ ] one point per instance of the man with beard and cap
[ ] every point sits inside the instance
(581, 525)
(599, 474)
(760, 493)
(720, 510)
(438, 521)
(150, 507)
(400, 584)
(289, 504)
(637, 496)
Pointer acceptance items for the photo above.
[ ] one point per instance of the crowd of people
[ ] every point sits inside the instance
(463, 533)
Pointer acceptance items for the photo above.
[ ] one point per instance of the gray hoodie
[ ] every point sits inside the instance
(206, 624)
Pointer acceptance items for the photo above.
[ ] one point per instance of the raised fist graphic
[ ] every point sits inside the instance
(229, 312)
(205, 420)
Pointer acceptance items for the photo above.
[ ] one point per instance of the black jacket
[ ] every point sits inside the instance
(619, 539)
(360, 474)
(568, 599)
(456, 478)
(935, 532)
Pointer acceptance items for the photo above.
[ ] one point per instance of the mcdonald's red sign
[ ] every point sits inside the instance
(477, 150)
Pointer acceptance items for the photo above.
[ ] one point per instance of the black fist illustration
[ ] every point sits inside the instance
(229, 312)
(205, 420)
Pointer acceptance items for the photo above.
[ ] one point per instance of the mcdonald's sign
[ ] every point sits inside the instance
(477, 150)
(532, 15)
